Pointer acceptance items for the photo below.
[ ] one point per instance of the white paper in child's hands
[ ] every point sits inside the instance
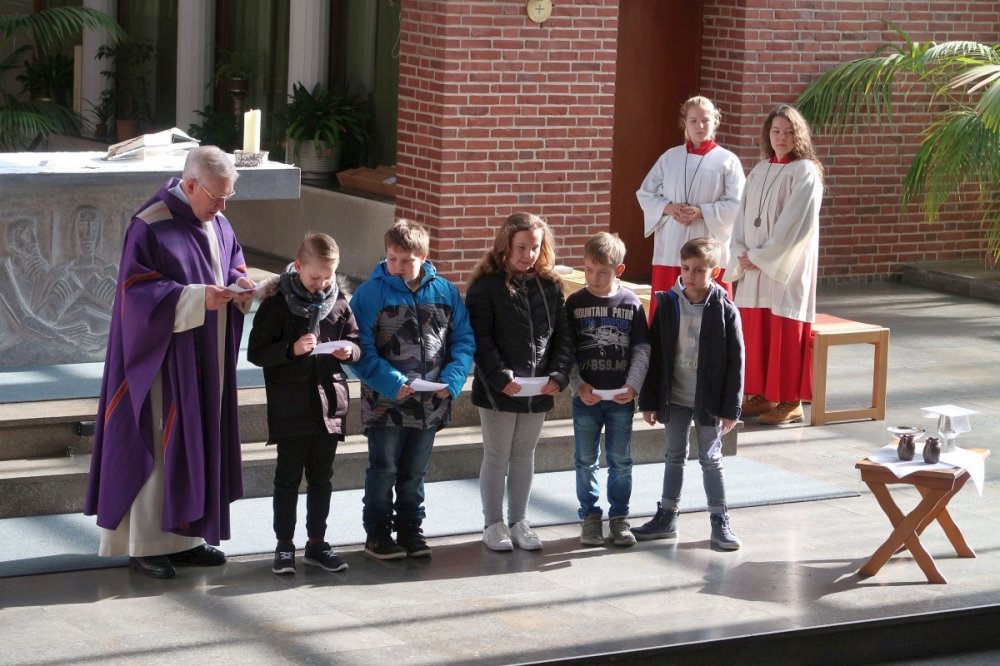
(330, 347)
(530, 386)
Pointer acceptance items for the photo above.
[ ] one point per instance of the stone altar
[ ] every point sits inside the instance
(62, 220)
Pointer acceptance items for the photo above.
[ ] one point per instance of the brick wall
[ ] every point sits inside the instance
(759, 53)
(498, 114)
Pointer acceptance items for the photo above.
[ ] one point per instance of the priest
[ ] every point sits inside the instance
(166, 455)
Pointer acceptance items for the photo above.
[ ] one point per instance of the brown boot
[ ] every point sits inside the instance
(784, 412)
(755, 405)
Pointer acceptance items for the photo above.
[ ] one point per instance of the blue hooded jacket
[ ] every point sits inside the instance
(406, 335)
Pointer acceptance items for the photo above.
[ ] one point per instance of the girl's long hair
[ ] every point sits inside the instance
(802, 148)
(496, 259)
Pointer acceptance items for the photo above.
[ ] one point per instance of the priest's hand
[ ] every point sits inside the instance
(304, 345)
(745, 263)
(216, 297)
(246, 296)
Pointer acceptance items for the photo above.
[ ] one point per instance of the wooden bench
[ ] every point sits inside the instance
(828, 331)
(575, 281)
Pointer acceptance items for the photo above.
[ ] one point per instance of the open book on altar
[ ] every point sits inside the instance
(167, 141)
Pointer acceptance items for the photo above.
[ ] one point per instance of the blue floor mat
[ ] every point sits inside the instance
(68, 542)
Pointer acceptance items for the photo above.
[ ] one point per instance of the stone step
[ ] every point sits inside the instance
(57, 485)
(56, 428)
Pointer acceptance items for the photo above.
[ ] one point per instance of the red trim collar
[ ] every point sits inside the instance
(703, 149)
(790, 157)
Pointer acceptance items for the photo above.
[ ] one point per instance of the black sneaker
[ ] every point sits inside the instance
(322, 555)
(284, 559)
(381, 546)
(722, 533)
(411, 538)
(661, 526)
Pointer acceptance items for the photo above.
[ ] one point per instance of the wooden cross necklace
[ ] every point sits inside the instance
(766, 190)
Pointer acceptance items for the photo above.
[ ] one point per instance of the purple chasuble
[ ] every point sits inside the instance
(166, 249)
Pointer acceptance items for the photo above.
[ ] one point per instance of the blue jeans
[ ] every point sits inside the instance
(397, 459)
(616, 420)
(709, 455)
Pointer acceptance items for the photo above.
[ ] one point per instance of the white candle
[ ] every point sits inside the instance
(251, 131)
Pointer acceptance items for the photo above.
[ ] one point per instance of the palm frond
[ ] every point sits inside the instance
(991, 220)
(853, 93)
(979, 76)
(18, 128)
(958, 51)
(988, 107)
(956, 150)
(24, 123)
(47, 28)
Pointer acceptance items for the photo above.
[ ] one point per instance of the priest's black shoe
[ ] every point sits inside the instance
(156, 566)
(199, 556)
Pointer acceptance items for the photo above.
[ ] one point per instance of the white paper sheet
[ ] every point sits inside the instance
(608, 394)
(424, 385)
(967, 460)
(330, 347)
(530, 386)
(237, 289)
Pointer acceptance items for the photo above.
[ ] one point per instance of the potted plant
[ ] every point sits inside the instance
(133, 73)
(319, 124)
(216, 129)
(48, 78)
(234, 70)
(25, 124)
(962, 112)
(103, 112)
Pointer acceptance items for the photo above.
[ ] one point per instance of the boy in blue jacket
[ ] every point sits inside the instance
(695, 373)
(414, 331)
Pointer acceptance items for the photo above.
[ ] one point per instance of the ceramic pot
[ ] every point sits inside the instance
(316, 162)
(906, 448)
(932, 450)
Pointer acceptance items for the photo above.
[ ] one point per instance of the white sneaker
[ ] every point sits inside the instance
(497, 537)
(524, 537)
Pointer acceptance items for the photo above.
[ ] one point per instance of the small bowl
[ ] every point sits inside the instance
(243, 158)
(907, 430)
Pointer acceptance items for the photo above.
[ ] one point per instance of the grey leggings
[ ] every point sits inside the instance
(509, 441)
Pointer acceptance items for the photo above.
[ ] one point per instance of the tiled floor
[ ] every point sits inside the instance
(469, 605)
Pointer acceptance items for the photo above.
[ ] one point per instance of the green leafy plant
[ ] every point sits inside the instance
(238, 65)
(24, 124)
(328, 117)
(104, 110)
(960, 146)
(131, 78)
(48, 77)
(216, 129)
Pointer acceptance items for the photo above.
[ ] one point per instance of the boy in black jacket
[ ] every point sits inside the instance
(307, 393)
(695, 372)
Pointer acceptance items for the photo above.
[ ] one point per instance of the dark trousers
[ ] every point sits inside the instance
(397, 460)
(314, 455)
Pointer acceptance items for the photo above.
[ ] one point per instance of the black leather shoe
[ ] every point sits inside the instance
(199, 556)
(155, 566)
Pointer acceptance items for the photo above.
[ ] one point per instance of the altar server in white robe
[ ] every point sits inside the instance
(774, 256)
(692, 191)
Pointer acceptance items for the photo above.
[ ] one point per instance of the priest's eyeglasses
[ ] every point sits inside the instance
(219, 199)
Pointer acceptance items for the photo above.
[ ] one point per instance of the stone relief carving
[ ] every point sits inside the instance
(56, 288)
